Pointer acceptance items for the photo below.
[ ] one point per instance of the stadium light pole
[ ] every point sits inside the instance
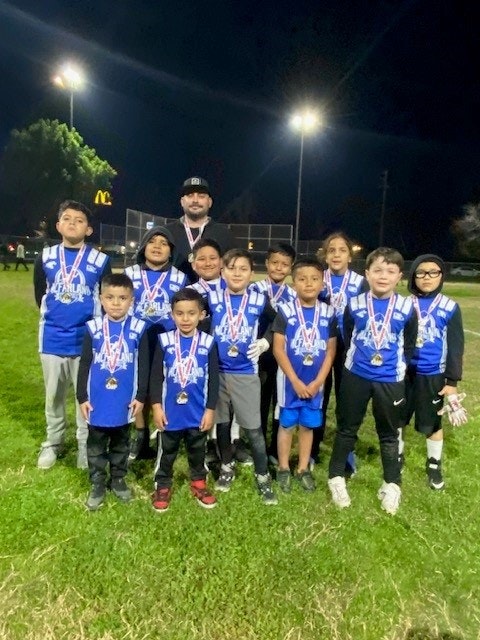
(70, 79)
(305, 123)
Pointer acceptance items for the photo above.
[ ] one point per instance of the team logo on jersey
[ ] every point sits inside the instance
(154, 309)
(125, 357)
(74, 291)
(315, 345)
(427, 328)
(369, 335)
(194, 374)
(224, 331)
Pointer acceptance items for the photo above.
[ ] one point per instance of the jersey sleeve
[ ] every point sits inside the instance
(86, 358)
(143, 368)
(279, 325)
(39, 280)
(213, 378)
(156, 375)
(455, 348)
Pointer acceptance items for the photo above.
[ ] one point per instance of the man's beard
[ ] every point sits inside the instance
(195, 216)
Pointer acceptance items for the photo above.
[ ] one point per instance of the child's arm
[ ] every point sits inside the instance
(39, 280)
(82, 377)
(208, 418)
(156, 388)
(315, 385)
(285, 365)
(410, 336)
(143, 375)
(455, 349)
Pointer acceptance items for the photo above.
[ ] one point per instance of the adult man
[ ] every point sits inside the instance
(195, 223)
(20, 255)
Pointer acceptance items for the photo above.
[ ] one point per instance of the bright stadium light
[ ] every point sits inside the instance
(70, 79)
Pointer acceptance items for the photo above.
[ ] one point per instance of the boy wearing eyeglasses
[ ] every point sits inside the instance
(436, 365)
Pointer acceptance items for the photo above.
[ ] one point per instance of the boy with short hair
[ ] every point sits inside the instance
(436, 365)
(235, 315)
(66, 282)
(380, 329)
(207, 264)
(155, 281)
(304, 344)
(278, 262)
(112, 385)
(184, 392)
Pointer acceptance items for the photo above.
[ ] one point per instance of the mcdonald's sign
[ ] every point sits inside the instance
(103, 197)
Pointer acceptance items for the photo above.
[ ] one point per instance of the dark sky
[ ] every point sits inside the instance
(184, 88)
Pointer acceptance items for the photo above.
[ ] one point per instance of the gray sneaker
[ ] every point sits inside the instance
(225, 479)
(120, 489)
(306, 480)
(96, 497)
(48, 455)
(284, 479)
(264, 486)
(82, 459)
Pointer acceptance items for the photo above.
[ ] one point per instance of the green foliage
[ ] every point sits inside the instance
(467, 231)
(300, 571)
(43, 165)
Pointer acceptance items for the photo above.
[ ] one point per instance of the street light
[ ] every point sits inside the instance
(70, 79)
(306, 123)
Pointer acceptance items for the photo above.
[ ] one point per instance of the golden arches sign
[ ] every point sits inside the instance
(103, 197)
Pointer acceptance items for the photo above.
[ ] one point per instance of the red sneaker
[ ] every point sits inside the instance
(204, 497)
(161, 499)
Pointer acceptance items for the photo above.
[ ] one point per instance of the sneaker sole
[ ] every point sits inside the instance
(270, 502)
(46, 466)
(206, 506)
(391, 512)
(222, 489)
(437, 487)
(94, 507)
(124, 499)
(157, 510)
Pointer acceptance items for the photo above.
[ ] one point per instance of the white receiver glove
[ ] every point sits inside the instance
(456, 414)
(256, 349)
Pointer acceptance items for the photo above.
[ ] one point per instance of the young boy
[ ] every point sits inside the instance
(380, 329)
(66, 282)
(278, 262)
(184, 392)
(436, 366)
(304, 345)
(207, 264)
(155, 281)
(235, 315)
(112, 385)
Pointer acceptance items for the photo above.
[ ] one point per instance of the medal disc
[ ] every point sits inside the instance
(66, 297)
(377, 360)
(308, 360)
(419, 342)
(182, 397)
(111, 383)
(233, 351)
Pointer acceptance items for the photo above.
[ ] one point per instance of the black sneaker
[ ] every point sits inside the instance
(284, 479)
(264, 486)
(96, 497)
(306, 480)
(225, 479)
(120, 489)
(241, 454)
(434, 472)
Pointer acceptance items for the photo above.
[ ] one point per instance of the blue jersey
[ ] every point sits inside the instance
(184, 402)
(151, 299)
(71, 297)
(376, 348)
(306, 353)
(235, 334)
(276, 293)
(337, 291)
(431, 349)
(205, 286)
(113, 377)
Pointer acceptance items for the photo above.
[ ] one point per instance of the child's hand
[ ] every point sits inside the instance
(314, 387)
(456, 414)
(159, 417)
(85, 408)
(207, 420)
(136, 407)
(301, 389)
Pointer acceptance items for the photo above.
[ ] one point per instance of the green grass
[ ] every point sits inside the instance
(300, 571)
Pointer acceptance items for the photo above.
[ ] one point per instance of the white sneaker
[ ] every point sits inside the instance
(47, 456)
(338, 489)
(390, 494)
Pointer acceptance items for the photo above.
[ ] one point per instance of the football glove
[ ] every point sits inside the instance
(456, 414)
(256, 349)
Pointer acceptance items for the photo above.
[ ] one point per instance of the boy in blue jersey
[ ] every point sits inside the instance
(436, 366)
(278, 262)
(304, 345)
(207, 264)
(112, 385)
(235, 315)
(380, 329)
(184, 392)
(66, 281)
(340, 284)
(155, 281)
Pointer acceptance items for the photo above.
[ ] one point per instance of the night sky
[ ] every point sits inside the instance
(189, 88)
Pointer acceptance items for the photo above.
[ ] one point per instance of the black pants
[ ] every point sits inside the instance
(388, 400)
(107, 445)
(255, 440)
(267, 368)
(169, 445)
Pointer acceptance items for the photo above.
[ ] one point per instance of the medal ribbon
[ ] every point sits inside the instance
(423, 321)
(191, 241)
(274, 298)
(378, 337)
(183, 373)
(152, 291)
(68, 277)
(308, 336)
(112, 354)
(336, 299)
(234, 324)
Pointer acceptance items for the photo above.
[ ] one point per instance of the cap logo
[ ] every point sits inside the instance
(195, 180)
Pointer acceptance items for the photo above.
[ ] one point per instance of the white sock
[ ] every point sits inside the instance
(434, 449)
(235, 430)
(401, 441)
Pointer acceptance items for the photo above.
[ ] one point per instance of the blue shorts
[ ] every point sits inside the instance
(303, 416)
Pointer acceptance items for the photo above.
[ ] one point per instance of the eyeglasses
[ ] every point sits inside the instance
(434, 273)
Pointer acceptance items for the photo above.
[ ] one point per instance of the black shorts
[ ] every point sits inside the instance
(423, 401)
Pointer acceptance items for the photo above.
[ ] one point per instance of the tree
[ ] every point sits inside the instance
(467, 231)
(43, 165)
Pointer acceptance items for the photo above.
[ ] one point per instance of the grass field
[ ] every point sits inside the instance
(300, 571)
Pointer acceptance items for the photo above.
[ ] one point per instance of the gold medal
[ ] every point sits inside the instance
(150, 311)
(308, 360)
(233, 351)
(182, 397)
(419, 342)
(376, 360)
(190, 257)
(66, 297)
(112, 383)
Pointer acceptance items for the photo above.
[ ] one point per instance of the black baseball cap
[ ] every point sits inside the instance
(195, 185)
